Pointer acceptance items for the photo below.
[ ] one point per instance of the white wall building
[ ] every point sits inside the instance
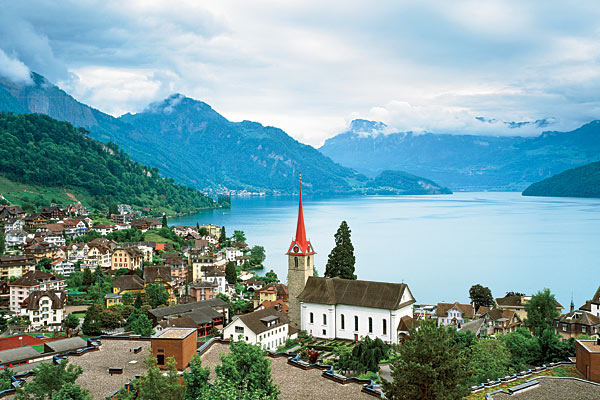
(268, 328)
(63, 267)
(30, 282)
(335, 308)
(45, 309)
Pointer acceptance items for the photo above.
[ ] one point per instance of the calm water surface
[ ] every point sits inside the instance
(438, 245)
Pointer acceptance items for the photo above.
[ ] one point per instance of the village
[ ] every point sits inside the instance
(104, 289)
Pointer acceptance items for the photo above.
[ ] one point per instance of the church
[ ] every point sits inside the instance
(335, 308)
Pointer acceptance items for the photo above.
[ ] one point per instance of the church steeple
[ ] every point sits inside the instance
(300, 245)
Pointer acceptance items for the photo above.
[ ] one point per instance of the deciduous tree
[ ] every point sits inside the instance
(481, 296)
(157, 295)
(541, 311)
(50, 380)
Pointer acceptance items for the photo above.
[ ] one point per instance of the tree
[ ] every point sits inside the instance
(223, 236)
(196, 379)
(98, 276)
(481, 296)
(71, 391)
(121, 272)
(523, 347)
(270, 277)
(138, 301)
(257, 255)
(365, 356)
(44, 264)
(247, 369)
(71, 322)
(165, 224)
(88, 278)
(428, 366)
(239, 236)
(127, 298)
(92, 324)
(488, 359)
(157, 295)
(231, 273)
(2, 243)
(341, 259)
(111, 318)
(51, 379)
(202, 231)
(139, 324)
(541, 311)
(113, 209)
(156, 385)
(511, 293)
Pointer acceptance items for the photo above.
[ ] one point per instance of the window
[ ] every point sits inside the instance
(342, 322)
(296, 262)
(324, 319)
(385, 326)
(370, 325)
(239, 329)
(160, 359)
(356, 322)
(583, 329)
(324, 332)
(312, 318)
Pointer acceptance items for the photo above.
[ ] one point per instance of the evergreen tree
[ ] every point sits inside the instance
(138, 301)
(113, 209)
(231, 273)
(541, 311)
(98, 276)
(2, 242)
(71, 322)
(239, 236)
(88, 278)
(481, 296)
(341, 259)
(156, 385)
(223, 236)
(127, 298)
(92, 323)
(428, 366)
(164, 221)
(157, 295)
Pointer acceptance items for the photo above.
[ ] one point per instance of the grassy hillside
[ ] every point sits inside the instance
(44, 159)
(577, 182)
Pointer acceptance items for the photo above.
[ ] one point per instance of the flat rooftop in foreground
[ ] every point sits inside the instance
(174, 333)
(555, 388)
(591, 345)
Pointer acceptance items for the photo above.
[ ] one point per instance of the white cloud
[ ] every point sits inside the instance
(13, 69)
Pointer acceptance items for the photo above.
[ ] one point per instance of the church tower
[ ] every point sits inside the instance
(300, 265)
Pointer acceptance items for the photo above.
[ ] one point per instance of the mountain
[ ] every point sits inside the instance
(189, 141)
(577, 182)
(464, 162)
(42, 157)
(401, 182)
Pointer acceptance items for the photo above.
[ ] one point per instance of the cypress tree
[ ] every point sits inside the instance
(231, 273)
(87, 278)
(2, 243)
(341, 259)
(138, 302)
(164, 221)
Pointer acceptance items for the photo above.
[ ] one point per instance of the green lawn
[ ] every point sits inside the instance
(155, 237)
(39, 348)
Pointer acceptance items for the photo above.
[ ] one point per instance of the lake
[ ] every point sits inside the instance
(438, 245)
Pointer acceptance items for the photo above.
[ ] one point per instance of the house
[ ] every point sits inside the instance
(146, 248)
(277, 304)
(183, 231)
(335, 308)
(203, 315)
(33, 220)
(178, 343)
(52, 212)
(178, 267)
(216, 276)
(423, 311)
(212, 230)
(254, 284)
(13, 224)
(406, 324)
(120, 219)
(74, 227)
(272, 292)
(161, 275)
(587, 353)
(593, 305)
(98, 256)
(76, 209)
(16, 266)
(517, 304)
(15, 239)
(39, 250)
(124, 284)
(200, 262)
(45, 309)
(51, 235)
(268, 328)
(130, 258)
(30, 282)
(77, 251)
(63, 267)
(11, 212)
(145, 224)
(203, 290)
(454, 314)
(499, 321)
(577, 323)
(103, 229)
(233, 254)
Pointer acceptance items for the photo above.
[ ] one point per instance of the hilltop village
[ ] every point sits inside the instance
(122, 297)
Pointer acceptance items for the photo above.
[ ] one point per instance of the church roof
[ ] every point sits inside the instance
(390, 296)
(300, 245)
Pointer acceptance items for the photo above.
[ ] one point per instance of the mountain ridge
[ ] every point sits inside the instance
(582, 181)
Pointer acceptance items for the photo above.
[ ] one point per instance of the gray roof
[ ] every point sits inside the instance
(160, 313)
(202, 315)
(355, 293)
(257, 320)
(473, 326)
(64, 345)
(18, 354)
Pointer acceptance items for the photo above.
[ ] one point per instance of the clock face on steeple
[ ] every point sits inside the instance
(296, 249)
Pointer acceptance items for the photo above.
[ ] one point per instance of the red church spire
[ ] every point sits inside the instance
(300, 245)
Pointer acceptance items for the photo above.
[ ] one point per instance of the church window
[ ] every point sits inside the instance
(312, 318)
(370, 325)
(343, 322)
(356, 322)
(296, 262)
(324, 319)
(385, 326)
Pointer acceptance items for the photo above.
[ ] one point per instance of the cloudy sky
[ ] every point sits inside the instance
(310, 67)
